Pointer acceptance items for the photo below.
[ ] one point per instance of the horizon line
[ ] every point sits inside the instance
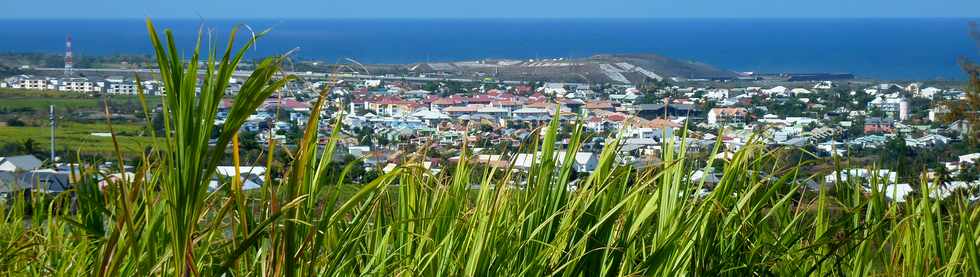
(494, 18)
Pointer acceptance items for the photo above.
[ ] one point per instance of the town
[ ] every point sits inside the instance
(902, 129)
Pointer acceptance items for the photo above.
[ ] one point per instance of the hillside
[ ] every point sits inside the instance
(614, 68)
(668, 66)
(602, 68)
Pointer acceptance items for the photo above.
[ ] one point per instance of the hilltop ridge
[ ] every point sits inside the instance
(601, 68)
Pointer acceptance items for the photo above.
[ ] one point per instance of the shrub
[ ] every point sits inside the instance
(15, 122)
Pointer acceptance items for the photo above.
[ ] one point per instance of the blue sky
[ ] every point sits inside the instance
(286, 9)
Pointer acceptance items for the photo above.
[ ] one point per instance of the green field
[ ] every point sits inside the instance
(78, 136)
(32, 106)
(64, 101)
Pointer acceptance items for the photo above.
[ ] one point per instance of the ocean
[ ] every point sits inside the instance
(921, 49)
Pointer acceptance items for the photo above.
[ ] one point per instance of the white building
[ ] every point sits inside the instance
(799, 91)
(125, 88)
(583, 161)
(778, 90)
(119, 85)
(79, 85)
(716, 94)
(824, 85)
(34, 84)
(969, 158)
(19, 163)
(554, 89)
(727, 115)
(882, 175)
(929, 92)
(891, 106)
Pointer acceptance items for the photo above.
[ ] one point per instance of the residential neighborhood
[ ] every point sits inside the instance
(382, 120)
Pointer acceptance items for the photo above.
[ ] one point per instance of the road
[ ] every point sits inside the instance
(306, 75)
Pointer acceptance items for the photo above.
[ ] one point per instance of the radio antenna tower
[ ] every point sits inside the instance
(68, 62)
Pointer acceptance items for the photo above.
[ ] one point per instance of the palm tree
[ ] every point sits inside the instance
(30, 146)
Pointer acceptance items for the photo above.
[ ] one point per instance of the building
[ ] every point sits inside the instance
(391, 106)
(652, 111)
(969, 158)
(893, 107)
(122, 88)
(431, 117)
(881, 175)
(19, 163)
(531, 114)
(599, 106)
(34, 84)
(800, 91)
(929, 92)
(778, 90)
(727, 116)
(938, 113)
(582, 162)
(46, 180)
(372, 83)
(79, 85)
(554, 89)
(457, 111)
(877, 125)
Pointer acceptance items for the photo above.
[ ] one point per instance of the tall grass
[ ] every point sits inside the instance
(468, 220)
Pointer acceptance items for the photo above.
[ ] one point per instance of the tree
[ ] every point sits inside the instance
(357, 171)
(856, 129)
(30, 146)
(14, 122)
(966, 111)
(897, 155)
(490, 86)
(431, 86)
(943, 175)
(157, 124)
(876, 112)
(293, 135)
(649, 98)
(788, 107)
(248, 140)
(811, 126)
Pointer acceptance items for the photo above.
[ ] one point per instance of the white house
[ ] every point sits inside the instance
(716, 94)
(824, 85)
(929, 92)
(554, 89)
(359, 150)
(969, 158)
(798, 91)
(583, 161)
(776, 90)
(897, 192)
(884, 175)
(19, 163)
(243, 170)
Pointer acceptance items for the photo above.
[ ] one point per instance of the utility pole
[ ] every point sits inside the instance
(51, 118)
